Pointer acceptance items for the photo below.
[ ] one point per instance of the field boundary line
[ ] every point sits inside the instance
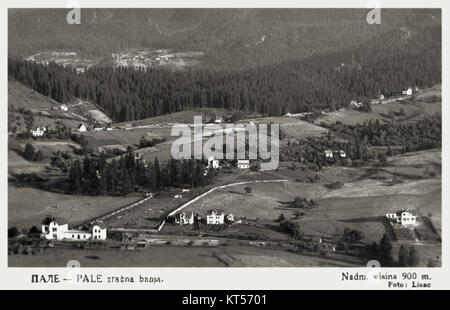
(221, 187)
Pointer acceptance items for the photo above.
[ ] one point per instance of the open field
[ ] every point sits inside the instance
(45, 110)
(19, 165)
(360, 204)
(427, 103)
(28, 206)
(174, 256)
(20, 95)
(292, 127)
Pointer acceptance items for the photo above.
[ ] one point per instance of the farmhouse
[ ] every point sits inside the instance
(213, 163)
(215, 217)
(243, 164)
(38, 131)
(328, 153)
(407, 91)
(81, 128)
(403, 217)
(51, 230)
(184, 218)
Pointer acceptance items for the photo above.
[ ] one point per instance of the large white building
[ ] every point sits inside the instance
(51, 230)
(215, 217)
(403, 217)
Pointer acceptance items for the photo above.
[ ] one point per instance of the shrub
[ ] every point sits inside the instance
(13, 232)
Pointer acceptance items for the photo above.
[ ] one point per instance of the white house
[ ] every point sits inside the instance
(184, 218)
(38, 131)
(243, 164)
(64, 107)
(328, 153)
(403, 217)
(81, 128)
(213, 163)
(407, 91)
(215, 217)
(51, 230)
(381, 97)
(342, 154)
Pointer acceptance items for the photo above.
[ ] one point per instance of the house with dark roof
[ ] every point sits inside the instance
(81, 128)
(215, 217)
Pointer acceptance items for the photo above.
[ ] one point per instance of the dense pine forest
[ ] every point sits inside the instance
(386, 65)
(231, 39)
(95, 176)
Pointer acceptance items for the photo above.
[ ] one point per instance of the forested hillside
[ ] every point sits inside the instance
(386, 65)
(229, 38)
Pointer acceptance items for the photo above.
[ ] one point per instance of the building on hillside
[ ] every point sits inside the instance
(98, 127)
(81, 128)
(213, 163)
(64, 107)
(328, 153)
(52, 229)
(355, 104)
(184, 218)
(342, 154)
(403, 217)
(215, 217)
(230, 218)
(38, 131)
(243, 164)
(407, 91)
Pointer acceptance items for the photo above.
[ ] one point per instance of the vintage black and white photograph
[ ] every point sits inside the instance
(224, 137)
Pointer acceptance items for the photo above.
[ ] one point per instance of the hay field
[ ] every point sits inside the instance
(28, 206)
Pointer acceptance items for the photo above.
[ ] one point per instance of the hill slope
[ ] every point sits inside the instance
(230, 38)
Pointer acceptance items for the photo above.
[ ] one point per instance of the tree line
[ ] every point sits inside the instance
(294, 86)
(95, 176)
